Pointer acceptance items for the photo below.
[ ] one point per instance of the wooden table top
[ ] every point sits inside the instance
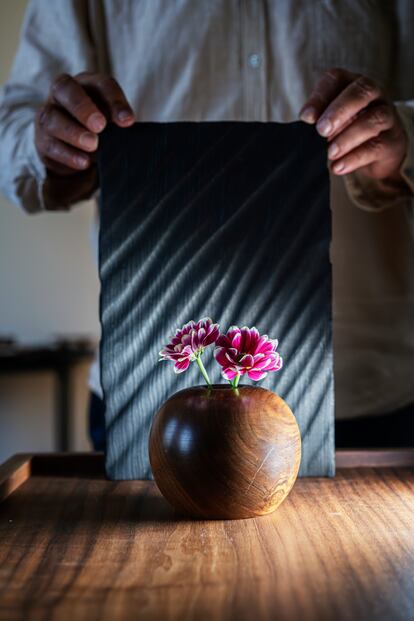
(76, 546)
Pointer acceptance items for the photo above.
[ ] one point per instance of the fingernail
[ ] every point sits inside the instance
(124, 115)
(81, 161)
(324, 127)
(97, 122)
(88, 141)
(339, 167)
(333, 150)
(308, 114)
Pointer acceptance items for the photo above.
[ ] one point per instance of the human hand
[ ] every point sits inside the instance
(69, 122)
(361, 124)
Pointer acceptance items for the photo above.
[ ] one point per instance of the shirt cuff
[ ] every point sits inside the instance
(377, 195)
(36, 171)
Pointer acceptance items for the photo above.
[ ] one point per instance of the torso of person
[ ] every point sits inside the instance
(251, 60)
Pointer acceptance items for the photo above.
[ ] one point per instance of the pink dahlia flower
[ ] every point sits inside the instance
(243, 351)
(189, 343)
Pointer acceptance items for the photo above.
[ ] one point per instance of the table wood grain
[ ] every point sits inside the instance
(74, 546)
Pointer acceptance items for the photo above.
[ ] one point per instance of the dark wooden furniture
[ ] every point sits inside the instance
(58, 358)
(75, 546)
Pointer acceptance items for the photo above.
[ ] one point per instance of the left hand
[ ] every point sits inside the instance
(361, 124)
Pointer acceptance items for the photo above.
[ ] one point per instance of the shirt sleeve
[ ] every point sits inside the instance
(377, 195)
(54, 39)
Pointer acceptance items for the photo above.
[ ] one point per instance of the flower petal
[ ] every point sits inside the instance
(220, 356)
(230, 354)
(265, 363)
(236, 340)
(232, 331)
(245, 339)
(263, 345)
(247, 360)
(181, 366)
(187, 326)
(256, 375)
(212, 335)
(186, 351)
(229, 373)
(255, 336)
(277, 364)
(223, 341)
(186, 339)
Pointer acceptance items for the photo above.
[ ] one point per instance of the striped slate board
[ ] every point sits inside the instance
(229, 220)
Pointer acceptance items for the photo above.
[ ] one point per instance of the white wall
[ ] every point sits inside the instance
(48, 287)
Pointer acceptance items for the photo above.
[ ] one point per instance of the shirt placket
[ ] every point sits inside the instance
(253, 59)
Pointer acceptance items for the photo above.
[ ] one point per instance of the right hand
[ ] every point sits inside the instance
(69, 122)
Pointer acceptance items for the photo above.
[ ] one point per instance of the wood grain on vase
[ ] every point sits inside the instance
(225, 453)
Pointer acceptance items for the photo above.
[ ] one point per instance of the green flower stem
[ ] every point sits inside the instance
(235, 381)
(203, 371)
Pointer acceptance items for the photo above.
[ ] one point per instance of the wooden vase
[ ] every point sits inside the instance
(225, 453)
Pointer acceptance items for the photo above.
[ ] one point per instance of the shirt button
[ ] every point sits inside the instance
(255, 61)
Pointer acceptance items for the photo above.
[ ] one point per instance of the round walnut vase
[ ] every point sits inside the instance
(225, 453)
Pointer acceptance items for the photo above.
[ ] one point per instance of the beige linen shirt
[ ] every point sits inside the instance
(250, 60)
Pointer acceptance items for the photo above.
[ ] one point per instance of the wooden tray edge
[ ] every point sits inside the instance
(16, 470)
(374, 458)
(13, 473)
(90, 464)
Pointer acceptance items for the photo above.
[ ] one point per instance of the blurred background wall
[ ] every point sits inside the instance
(48, 287)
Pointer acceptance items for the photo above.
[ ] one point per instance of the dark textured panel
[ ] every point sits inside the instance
(228, 220)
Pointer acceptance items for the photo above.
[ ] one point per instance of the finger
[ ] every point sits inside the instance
(329, 85)
(368, 125)
(57, 151)
(75, 184)
(60, 169)
(66, 92)
(56, 123)
(110, 97)
(371, 151)
(354, 98)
